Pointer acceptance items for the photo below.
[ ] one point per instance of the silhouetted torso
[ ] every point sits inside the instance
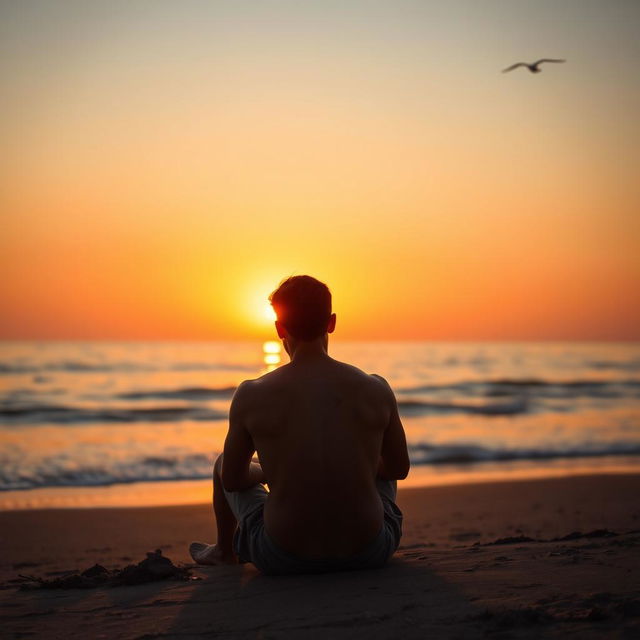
(318, 427)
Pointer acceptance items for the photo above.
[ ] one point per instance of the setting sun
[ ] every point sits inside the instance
(464, 205)
(268, 313)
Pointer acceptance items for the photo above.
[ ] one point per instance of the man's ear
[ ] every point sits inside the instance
(332, 323)
(282, 333)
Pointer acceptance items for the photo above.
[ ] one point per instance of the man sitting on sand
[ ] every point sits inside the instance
(331, 447)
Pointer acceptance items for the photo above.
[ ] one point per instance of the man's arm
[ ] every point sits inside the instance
(238, 471)
(394, 457)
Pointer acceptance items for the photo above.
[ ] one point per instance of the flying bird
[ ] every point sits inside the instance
(534, 67)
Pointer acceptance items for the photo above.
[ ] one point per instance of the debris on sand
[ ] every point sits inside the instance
(153, 568)
(511, 540)
(574, 535)
(577, 535)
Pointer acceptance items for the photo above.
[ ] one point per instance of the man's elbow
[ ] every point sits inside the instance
(403, 466)
(398, 471)
(403, 471)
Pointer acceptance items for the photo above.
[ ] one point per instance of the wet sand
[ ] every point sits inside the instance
(448, 579)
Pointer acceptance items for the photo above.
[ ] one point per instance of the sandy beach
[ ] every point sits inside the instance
(448, 579)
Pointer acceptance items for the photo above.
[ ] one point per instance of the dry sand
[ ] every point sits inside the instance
(445, 581)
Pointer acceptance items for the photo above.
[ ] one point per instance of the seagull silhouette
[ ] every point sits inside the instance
(533, 67)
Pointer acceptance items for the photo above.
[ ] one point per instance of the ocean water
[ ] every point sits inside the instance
(92, 414)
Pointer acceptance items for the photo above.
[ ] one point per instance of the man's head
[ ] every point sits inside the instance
(303, 307)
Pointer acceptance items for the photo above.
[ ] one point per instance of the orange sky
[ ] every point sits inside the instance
(165, 165)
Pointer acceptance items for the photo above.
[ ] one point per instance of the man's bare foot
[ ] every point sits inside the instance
(203, 553)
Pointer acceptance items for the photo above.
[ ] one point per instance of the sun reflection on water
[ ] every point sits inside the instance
(271, 354)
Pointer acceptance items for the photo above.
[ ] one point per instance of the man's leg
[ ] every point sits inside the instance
(226, 523)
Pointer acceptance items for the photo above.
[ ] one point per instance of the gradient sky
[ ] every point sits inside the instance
(165, 164)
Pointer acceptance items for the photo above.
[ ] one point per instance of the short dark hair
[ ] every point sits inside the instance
(303, 305)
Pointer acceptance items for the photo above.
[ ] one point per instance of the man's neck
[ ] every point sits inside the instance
(310, 351)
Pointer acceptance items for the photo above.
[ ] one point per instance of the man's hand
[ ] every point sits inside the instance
(256, 474)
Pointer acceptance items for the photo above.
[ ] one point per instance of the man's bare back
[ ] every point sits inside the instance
(318, 428)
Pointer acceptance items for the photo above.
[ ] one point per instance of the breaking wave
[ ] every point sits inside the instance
(62, 472)
(534, 388)
(428, 454)
(59, 414)
(78, 366)
(418, 407)
(183, 393)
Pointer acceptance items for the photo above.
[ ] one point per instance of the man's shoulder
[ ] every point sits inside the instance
(380, 381)
(244, 394)
(250, 388)
(383, 387)
(372, 381)
(247, 388)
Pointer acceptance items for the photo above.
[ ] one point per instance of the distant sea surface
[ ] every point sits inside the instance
(95, 414)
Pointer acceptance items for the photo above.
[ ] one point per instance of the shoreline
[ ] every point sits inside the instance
(475, 560)
(164, 493)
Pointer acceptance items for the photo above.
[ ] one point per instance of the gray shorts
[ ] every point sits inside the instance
(253, 544)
